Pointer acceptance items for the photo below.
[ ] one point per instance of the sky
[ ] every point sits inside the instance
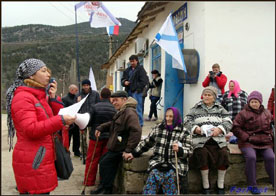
(57, 13)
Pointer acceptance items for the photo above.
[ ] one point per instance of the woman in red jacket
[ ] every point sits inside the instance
(271, 103)
(252, 127)
(35, 120)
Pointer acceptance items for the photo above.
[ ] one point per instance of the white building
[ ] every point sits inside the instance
(239, 36)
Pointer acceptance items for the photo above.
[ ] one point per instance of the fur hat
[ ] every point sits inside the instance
(212, 90)
(255, 95)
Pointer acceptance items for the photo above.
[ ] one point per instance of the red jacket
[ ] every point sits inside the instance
(250, 121)
(221, 81)
(33, 130)
(270, 104)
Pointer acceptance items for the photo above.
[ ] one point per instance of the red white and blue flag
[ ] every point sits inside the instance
(100, 16)
(113, 30)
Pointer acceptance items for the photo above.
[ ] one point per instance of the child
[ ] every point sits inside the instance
(167, 138)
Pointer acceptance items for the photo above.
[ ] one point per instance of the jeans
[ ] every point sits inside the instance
(153, 106)
(139, 108)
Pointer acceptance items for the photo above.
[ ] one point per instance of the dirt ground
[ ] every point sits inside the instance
(73, 186)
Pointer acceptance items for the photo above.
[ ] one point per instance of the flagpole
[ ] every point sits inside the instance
(77, 48)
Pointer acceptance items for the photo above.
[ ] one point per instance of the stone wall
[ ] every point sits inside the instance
(132, 176)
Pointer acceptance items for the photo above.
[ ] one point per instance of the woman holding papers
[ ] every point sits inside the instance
(34, 117)
(209, 122)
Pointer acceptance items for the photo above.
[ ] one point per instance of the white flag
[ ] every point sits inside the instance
(92, 80)
(167, 39)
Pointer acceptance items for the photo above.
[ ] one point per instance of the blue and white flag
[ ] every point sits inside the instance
(167, 39)
(92, 80)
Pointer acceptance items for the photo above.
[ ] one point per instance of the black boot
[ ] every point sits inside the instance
(220, 191)
(98, 190)
(107, 191)
(206, 191)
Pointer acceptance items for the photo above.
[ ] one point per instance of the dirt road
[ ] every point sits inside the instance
(73, 186)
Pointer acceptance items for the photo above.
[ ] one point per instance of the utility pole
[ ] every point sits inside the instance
(110, 45)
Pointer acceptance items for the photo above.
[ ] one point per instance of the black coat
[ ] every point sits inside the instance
(138, 81)
(92, 99)
(102, 112)
(69, 99)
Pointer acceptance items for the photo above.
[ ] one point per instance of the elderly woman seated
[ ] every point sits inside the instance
(209, 122)
(253, 128)
(171, 143)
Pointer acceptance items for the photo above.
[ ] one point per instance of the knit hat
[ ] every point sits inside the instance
(119, 94)
(255, 95)
(86, 81)
(26, 69)
(212, 90)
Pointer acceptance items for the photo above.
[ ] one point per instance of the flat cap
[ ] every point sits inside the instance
(119, 94)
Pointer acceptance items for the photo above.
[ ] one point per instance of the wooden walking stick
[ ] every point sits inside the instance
(176, 169)
(90, 164)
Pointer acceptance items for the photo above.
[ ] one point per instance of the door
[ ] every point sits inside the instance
(173, 89)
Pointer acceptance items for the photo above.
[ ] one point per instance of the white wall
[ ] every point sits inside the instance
(194, 39)
(240, 36)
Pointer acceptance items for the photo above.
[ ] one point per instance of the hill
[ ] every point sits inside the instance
(56, 46)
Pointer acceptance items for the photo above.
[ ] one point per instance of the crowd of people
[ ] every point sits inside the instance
(115, 129)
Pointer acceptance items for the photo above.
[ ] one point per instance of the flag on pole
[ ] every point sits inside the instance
(92, 79)
(113, 30)
(167, 39)
(100, 16)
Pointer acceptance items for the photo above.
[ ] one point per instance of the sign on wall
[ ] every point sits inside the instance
(180, 15)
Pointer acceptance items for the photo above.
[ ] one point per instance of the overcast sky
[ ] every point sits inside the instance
(59, 13)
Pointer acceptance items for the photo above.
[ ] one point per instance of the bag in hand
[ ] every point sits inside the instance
(260, 139)
(63, 162)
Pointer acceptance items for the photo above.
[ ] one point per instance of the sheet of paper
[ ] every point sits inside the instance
(72, 110)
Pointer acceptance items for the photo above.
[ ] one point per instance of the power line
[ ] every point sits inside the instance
(66, 6)
(61, 12)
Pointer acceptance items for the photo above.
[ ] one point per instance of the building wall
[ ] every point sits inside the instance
(240, 36)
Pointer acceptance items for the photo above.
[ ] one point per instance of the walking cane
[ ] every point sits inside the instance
(90, 164)
(177, 177)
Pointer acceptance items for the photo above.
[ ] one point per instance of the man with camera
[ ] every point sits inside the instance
(216, 79)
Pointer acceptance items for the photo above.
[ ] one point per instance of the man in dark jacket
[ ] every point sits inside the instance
(102, 112)
(70, 99)
(134, 80)
(125, 134)
(87, 106)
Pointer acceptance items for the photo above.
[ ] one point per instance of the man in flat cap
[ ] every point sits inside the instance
(124, 135)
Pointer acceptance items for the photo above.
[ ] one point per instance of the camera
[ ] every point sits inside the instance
(212, 74)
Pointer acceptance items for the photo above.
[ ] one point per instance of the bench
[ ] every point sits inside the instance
(132, 176)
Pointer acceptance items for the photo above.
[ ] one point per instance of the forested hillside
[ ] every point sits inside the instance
(56, 46)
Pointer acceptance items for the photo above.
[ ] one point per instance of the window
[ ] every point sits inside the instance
(156, 57)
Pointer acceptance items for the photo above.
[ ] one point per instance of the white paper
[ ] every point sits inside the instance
(72, 110)
(207, 129)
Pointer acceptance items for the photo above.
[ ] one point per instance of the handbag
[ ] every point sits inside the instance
(260, 139)
(63, 162)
